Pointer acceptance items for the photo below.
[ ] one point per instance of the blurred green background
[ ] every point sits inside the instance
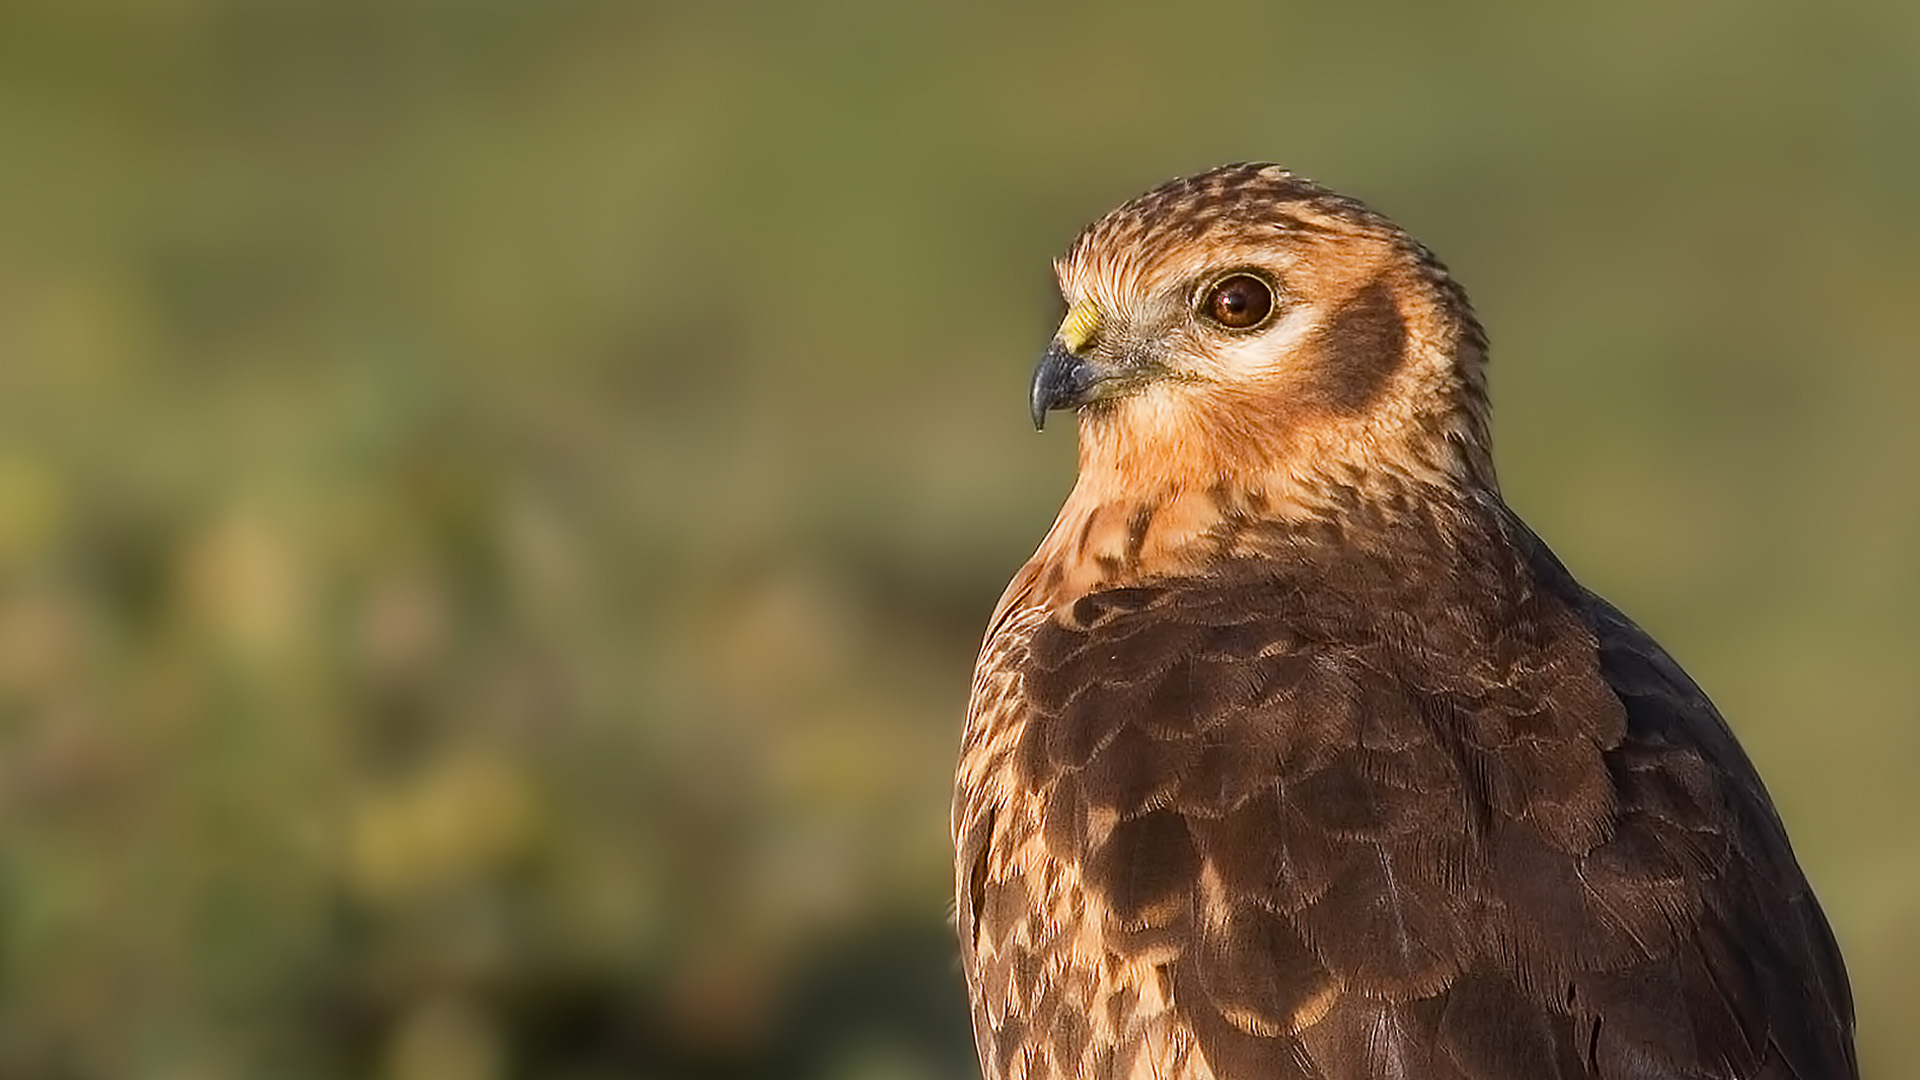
(498, 499)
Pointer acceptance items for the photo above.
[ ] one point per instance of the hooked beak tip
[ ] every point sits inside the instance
(1059, 382)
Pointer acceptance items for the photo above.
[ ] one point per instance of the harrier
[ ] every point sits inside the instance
(1293, 753)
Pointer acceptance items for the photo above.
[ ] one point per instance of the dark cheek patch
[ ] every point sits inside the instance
(1360, 349)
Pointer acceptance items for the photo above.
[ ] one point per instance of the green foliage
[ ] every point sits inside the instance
(498, 500)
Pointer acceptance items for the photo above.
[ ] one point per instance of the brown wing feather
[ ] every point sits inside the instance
(1300, 818)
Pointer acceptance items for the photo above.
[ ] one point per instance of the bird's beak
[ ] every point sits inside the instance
(1064, 378)
(1060, 381)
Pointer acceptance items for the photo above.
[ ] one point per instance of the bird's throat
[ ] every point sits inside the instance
(1159, 497)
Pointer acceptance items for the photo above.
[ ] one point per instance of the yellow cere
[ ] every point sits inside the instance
(1079, 326)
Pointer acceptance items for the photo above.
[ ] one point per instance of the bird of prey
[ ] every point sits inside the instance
(1293, 753)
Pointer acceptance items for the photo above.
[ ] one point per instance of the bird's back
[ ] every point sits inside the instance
(1392, 797)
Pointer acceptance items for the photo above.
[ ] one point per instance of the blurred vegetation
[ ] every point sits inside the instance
(498, 499)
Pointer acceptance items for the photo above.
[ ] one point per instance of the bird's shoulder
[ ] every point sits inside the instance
(1414, 802)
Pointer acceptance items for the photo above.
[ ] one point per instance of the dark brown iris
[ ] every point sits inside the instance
(1239, 302)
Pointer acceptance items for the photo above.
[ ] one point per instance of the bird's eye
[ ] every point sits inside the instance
(1239, 302)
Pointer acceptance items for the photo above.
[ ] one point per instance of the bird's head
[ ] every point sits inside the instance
(1245, 326)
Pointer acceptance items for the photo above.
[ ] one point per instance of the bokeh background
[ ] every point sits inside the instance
(498, 499)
